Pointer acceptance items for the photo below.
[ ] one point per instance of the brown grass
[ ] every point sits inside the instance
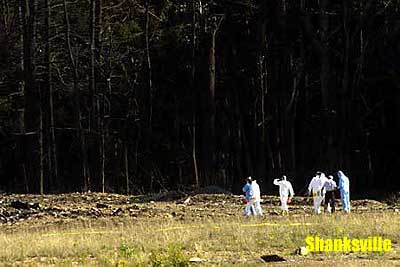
(166, 242)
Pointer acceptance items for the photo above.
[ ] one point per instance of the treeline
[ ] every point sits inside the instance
(138, 95)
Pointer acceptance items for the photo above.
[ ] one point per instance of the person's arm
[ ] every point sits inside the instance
(334, 185)
(244, 189)
(340, 183)
(323, 188)
(310, 186)
(251, 191)
(291, 190)
(276, 181)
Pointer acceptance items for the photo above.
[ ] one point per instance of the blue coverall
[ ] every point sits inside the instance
(344, 187)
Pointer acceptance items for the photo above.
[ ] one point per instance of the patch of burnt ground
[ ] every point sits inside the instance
(16, 209)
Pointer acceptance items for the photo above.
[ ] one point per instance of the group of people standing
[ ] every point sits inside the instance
(321, 188)
(253, 198)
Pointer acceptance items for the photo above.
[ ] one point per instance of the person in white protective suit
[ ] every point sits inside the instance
(247, 189)
(255, 199)
(316, 188)
(344, 188)
(285, 192)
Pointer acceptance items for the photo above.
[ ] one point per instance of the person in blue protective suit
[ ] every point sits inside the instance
(247, 189)
(255, 199)
(344, 188)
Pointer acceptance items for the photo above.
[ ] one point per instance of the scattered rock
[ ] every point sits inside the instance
(17, 204)
(116, 211)
(186, 201)
(302, 251)
(195, 260)
(102, 206)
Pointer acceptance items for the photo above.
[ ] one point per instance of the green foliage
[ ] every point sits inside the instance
(172, 256)
(126, 251)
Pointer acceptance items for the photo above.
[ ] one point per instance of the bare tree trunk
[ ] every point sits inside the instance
(52, 149)
(324, 24)
(326, 149)
(100, 105)
(41, 165)
(126, 166)
(20, 119)
(73, 64)
(261, 74)
(211, 109)
(32, 95)
(102, 148)
(194, 156)
(92, 82)
(148, 65)
(344, 99)
(209, 154)
(93, 110)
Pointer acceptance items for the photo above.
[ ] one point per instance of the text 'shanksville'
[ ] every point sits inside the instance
(345, 244)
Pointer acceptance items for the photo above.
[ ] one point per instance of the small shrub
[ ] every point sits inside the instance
(126, 251)
(172, 256)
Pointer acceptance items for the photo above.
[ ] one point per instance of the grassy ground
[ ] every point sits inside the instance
(173, 240)
(130, 243)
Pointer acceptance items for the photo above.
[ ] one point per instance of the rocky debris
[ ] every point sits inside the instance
(272, 258)
(302, 251)
(116, 212)
(102, 206)
(195, 260)
(184, 201)
(17, 204)
(50, 209)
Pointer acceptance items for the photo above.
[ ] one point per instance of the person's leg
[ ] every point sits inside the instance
(284, 203)
(315, 199)
(345, 207)
(347, 201)
(247, 210)
(252, 207)
(258, 208)
(326, 202)
(320, 199)
(342, 199)
(333, 202)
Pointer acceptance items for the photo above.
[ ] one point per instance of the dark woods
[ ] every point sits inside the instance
(138, 96)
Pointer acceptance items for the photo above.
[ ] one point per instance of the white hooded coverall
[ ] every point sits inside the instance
(256, 198)
(316, 188)
(285, 188)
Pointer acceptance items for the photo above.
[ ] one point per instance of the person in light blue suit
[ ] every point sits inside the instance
(344, 187)
(247, 188)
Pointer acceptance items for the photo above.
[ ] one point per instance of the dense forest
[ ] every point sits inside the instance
(136, 96)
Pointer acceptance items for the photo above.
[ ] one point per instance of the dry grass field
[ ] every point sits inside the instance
(114, 230)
